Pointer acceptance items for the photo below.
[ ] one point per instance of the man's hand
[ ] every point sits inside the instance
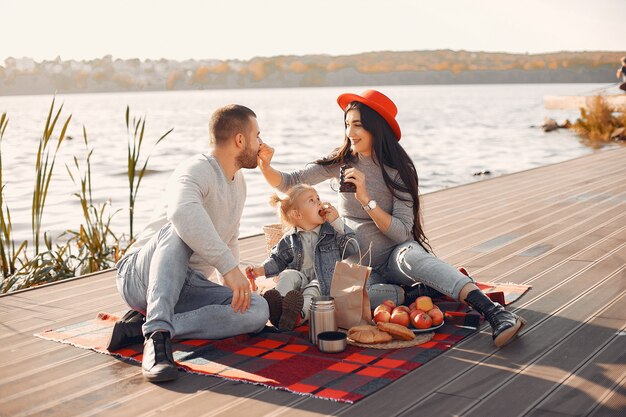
(265, 155)
(236, 281)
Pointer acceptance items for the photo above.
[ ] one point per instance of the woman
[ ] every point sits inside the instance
(385, 211)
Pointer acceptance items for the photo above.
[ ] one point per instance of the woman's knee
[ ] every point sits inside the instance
(378, 293)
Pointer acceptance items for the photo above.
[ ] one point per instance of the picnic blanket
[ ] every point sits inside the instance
(287, 360)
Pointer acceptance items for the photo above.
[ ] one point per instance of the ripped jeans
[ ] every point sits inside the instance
(410, 263)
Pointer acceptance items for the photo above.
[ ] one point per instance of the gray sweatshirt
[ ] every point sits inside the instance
(205, 209)
(354, 216)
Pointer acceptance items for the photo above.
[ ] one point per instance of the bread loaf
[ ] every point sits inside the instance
(368, 335)
(396, 330)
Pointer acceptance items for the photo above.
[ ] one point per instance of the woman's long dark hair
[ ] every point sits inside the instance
(387, 152)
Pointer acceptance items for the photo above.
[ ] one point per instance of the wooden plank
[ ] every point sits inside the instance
(444, 369)
(554, 366)
(496, 369)
(509, 196)
(614, 405)
(533, 234)
(565, 244)
(518, 209)
(595, 380)
(502, 204)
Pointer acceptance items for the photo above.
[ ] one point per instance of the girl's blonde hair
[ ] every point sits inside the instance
(289, 202)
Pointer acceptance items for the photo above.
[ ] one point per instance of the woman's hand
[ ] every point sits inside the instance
(264, 159)
(265, 155)
(357, 178)
(329, 213)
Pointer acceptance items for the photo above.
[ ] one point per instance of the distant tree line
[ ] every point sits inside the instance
(26, 76)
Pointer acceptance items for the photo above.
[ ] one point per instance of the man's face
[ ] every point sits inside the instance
(248, 156)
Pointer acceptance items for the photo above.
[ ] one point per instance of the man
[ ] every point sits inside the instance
(164, 274)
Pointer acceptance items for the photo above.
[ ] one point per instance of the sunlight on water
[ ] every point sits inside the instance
(449, 131)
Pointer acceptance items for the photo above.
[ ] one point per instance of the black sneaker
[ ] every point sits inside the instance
(126, 331)
(275, 303)
(292, 306)
(158, 362)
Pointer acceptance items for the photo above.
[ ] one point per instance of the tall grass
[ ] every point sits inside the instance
(135, 174)
(93, 246)
(44, 168)
(598, 123)
(97, 244)
(9, 255)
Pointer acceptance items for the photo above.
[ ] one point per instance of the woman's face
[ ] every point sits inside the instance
(360, 139)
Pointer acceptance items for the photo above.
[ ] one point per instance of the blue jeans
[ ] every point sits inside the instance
(158, 282)
(410, 263)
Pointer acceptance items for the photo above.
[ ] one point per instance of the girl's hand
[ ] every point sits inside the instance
(264, 157)
(253, 272)
(329, 213)
(357, 178)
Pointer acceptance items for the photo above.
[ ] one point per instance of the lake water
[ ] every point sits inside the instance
(450, 132)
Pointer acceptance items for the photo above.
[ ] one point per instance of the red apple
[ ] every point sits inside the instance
(383, 307)
(414, 313)
(436, 315)
(401, 308)
(390, 303)
(382, 316)
(424, 303)
(412, 306)
(422, 321)
(400, 317)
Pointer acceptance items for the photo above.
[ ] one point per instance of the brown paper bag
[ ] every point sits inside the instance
(352, 304)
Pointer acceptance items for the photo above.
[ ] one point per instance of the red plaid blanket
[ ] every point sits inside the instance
(287, 360)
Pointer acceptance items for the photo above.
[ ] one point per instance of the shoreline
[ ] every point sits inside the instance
(294, 87)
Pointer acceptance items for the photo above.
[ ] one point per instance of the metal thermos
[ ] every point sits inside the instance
(321, 317)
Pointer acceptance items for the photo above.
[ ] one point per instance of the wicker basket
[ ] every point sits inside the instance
(273, 233)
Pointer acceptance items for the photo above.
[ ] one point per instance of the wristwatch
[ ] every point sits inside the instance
(371, 205)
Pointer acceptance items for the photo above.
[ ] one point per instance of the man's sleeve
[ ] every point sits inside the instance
(192, 182)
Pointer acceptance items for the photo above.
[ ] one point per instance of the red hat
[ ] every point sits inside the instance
(377, 101)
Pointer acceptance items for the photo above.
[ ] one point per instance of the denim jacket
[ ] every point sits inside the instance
(288, 254)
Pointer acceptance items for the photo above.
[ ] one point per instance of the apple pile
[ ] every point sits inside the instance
(422, 314)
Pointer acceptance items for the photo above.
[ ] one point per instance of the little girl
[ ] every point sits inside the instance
(304, 258)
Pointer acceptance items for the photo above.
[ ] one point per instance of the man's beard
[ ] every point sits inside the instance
(247, 158)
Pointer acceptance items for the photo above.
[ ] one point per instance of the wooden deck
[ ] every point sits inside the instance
(560, 228)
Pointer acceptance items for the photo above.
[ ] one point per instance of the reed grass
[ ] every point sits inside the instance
(93, 246)
(598, 123)
(9, 255)
(135, 174)
(44, 168)
(98, 246)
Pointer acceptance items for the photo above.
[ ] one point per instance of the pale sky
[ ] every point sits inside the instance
(227, 29)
